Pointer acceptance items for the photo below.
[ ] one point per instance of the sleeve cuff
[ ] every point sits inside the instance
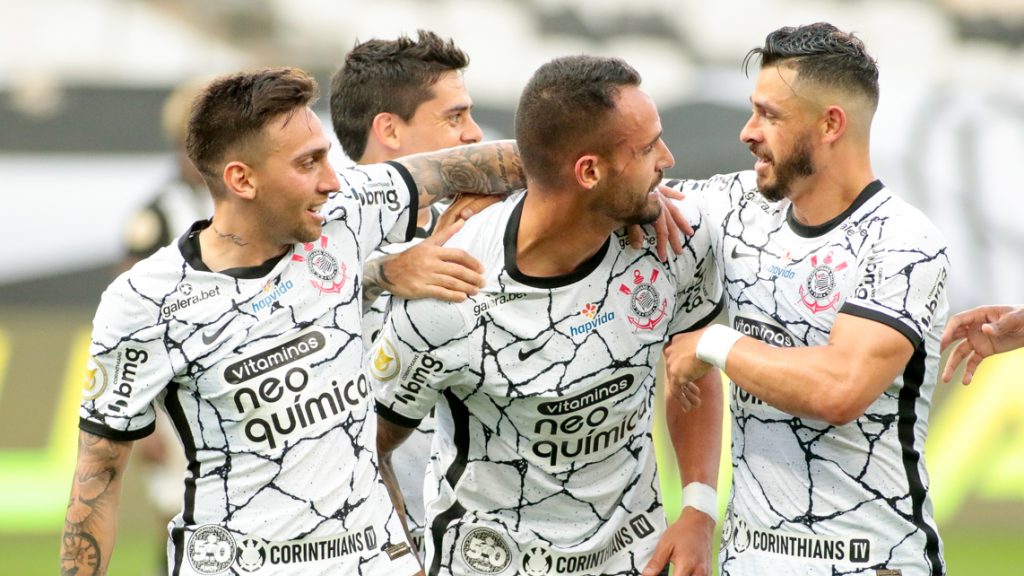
(895, 324)
(396, 418)
(112, 434)
(414, 198)
(708, 319)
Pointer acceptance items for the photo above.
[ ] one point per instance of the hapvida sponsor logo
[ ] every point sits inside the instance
(779, 272)
(590, 311)
(273, 293)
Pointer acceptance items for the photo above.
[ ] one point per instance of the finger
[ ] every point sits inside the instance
(442, 293)
(674, 239)
(658, 560)
(661, 235)
(444, 233)
(462, 259)
(457, 278)
(636, 236)
(677, 217)
(972, 364)
(670, 192)
(955, 358)
(954, 331)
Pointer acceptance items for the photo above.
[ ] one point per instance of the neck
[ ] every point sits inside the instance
(830, 191)
(557, 234)
(233, 242)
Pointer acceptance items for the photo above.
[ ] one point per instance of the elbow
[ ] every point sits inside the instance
(840, 407)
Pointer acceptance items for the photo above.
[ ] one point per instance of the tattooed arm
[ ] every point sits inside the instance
(488, 168)
(91, 521)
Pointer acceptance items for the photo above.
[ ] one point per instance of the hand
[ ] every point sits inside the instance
(985, 331)
(682, 367)
(687, 544)
(429, 270)
(666, 228)
(463, 207)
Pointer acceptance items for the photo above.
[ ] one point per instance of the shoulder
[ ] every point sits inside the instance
(430, 322)
(744, 181)
(903, 224)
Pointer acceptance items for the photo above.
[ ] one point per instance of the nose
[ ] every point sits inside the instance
(667, 159)
(751, 132)
(328, 179)
(472, 132)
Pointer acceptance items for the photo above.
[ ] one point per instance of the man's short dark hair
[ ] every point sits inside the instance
(563, 111)
(823, 54)
(393, 76)
(233, 110)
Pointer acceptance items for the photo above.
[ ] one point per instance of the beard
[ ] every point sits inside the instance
(798, 164)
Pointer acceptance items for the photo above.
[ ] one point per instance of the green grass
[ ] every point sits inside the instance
(976, 553)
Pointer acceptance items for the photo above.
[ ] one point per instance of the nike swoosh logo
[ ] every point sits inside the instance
(211, 338)
(737, 254)
(523, 355)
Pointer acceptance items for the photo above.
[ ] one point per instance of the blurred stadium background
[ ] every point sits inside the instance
(82, 83)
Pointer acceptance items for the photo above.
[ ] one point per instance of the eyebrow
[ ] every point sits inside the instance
(655, 139)
(457, 108)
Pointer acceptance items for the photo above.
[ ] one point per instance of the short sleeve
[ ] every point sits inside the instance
(698, 297)
(902, 281)
(387, 200)
(127, 369)
(420, 352)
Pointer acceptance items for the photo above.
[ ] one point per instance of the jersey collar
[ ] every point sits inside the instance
(190, 250)
(806, 231)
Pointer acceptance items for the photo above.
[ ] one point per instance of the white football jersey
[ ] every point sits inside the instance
(411, 458)
(260, 371)
(542, 462)
(809, 497)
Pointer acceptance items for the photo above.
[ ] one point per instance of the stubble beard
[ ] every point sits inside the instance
(800, 164)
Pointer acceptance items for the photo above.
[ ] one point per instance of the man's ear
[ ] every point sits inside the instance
(833, 124)
(240, 180)
(386, 130)
(588, 171)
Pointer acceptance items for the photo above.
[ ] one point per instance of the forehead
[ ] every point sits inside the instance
(294, 131)
(637, 117)
(448, 91)
(775, 85)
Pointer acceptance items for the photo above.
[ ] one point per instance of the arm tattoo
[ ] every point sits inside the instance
(92, 509)
(491, 168)
(375, 280)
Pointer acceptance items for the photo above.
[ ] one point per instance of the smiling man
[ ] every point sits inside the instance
(836, 290)
(247, 332)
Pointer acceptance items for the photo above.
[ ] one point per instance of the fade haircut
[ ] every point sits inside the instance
(394, 76)
(231, 112)
(822, 54)
(564, 109)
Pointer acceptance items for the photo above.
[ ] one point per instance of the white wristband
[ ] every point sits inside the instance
(715, 343)
(702, 497)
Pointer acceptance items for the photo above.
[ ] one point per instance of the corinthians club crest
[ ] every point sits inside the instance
(816, 293)
(327, 275)
(648, 305)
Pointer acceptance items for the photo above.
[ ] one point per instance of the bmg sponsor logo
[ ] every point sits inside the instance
(422, 369)
(578, 427)
(378, 194)
(126, 370)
